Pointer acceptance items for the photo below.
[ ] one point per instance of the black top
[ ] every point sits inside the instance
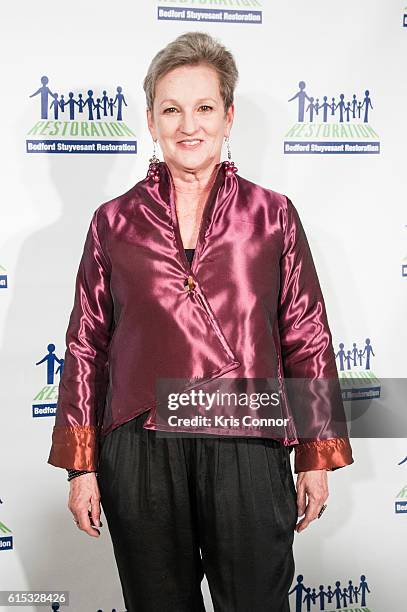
(189, 253)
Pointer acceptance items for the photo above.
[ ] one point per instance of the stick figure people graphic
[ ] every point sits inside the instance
(70, 103)
(321, 596)
(325, 106)
(81, 102)
(351, 591)
(341, 111)
(105, 101)
(354, 357)
(103, 106)
(363, 588)
(355, 354)
(98, 107)
(60, 368)
(298, 590)
(45, 93)
(55, 105)
(111, 106)
(90, 104)
(354, 106)
(367, 103)
(307, 598)
(302, 96)
(369, 351)
(310, 108)
(341, 106)
(342, 355)
(120, 101)
(348, 111)
(50, 360)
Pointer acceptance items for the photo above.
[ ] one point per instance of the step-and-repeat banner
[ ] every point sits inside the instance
(320, 115)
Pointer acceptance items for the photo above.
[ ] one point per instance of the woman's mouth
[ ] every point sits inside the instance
(190, 143)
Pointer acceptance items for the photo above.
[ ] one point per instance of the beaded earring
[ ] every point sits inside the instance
(153, 171)
(229, 165)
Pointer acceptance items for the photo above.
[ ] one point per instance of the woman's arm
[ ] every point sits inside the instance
(83, 383)
(309, 364)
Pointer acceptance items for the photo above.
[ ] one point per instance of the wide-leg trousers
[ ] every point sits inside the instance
(181, 507)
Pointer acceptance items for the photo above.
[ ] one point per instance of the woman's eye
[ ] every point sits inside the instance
(172, 108)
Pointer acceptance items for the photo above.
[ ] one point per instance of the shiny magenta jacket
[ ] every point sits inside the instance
(250, 306)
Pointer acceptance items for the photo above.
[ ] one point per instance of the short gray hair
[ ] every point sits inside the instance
(193, 48)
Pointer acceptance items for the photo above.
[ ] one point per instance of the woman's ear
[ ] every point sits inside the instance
(229, 116)
(150, 123)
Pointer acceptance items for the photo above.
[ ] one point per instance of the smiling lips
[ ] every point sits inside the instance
(190, 144)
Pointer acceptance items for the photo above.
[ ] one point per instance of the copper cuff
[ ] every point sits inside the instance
(329, 454)
(74, 447)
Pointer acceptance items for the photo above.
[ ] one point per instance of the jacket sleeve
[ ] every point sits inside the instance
(83, 382)
(310, 372)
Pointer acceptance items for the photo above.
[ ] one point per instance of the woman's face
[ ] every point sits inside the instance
(188, 117)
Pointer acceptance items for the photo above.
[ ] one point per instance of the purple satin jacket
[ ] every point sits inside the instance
(249, 307)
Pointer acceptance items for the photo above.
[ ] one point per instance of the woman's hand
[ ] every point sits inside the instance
(314, 484)
(84, 502)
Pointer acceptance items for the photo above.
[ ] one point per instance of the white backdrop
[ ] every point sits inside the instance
(352, 207)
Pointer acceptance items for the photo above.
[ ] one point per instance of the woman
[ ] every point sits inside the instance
(197, 274)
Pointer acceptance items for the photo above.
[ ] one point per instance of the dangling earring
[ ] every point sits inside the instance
(153, 171)
(230, 166)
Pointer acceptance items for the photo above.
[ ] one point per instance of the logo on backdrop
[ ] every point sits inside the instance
(226, 11)
(86, 121)
(337, 596)
(354, 363)
(405, 18)
(45, 402)
(6, 540)
(331, 124)
(3, 277)
(400, 505)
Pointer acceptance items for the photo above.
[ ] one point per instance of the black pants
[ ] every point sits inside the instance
(167, 499)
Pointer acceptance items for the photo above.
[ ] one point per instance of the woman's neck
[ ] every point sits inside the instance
(193, 184)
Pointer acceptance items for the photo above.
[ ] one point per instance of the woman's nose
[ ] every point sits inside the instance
(189, 123)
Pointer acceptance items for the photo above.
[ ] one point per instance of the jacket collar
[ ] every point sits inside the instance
(222, 189)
